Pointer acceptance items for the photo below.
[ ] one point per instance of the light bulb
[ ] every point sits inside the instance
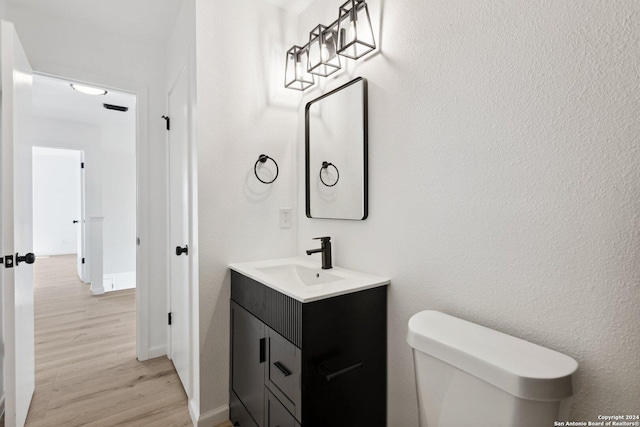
(352, 30)
(324, 53)
(298, 69)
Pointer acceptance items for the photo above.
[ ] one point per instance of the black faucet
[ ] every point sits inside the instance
(325, 248)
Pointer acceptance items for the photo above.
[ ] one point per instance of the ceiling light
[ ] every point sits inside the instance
(88, 89)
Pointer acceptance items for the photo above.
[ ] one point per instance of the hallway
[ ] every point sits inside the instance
(86, 368)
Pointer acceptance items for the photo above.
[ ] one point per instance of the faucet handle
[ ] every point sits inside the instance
(324, 239)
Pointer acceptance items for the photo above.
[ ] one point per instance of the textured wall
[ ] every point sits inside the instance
(504, 180)
(243, 111)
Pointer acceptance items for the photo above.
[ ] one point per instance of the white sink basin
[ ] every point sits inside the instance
(296, 272)
(305, 280)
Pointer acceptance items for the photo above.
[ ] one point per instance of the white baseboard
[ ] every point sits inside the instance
(97, 290)
(157, 351)
(211, 418)
(119, 281)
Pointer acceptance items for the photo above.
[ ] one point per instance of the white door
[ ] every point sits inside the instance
(81, 223)
(179, 228)
(17, 227)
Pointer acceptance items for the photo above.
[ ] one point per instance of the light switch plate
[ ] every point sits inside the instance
(285, 218)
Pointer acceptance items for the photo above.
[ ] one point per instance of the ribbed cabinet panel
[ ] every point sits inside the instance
(280, 312)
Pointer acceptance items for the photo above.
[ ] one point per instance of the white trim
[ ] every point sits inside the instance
(211, 418)
(119, 281)
(194, 411)
(2, 405)
(157, 351)
(194, 274)
(95, 259)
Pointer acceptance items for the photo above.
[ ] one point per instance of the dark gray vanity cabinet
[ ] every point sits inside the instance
(314, 364)
(247, 370)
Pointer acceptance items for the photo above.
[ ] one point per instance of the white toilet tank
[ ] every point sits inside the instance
(469, 375)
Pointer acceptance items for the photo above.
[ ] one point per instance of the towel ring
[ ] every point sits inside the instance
(325, 165)
(262, 159)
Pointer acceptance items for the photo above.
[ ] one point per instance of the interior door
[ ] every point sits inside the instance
(81, 224)
(17, 227)
(179, 227)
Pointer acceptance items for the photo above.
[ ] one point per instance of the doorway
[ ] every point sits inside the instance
(58, 204)
(103, 128)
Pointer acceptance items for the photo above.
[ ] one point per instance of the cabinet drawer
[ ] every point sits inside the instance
(277, 415)
(283, 371)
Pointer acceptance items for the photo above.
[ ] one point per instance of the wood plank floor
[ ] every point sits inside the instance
(87, 373)
(86, 368)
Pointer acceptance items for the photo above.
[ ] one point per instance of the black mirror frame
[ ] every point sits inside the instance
(365, 151)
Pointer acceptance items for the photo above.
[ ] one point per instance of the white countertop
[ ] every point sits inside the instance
(305, 280)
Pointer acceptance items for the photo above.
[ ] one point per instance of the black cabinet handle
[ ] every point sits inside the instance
(282, 369)
(333, 375)
(263, 351)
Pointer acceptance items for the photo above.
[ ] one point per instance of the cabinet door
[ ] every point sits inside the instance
(283, 371)
(248, 361)
(277, 415)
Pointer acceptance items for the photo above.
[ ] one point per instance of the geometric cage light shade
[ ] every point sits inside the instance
(296, 74)
(351, 36)
(323, 51)
(355, 35)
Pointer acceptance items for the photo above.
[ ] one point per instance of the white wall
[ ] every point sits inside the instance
(111, 188)
(119, 197)
(75, 51)
(243, 111)
(59, 134)
(56, 201)
(504, 180)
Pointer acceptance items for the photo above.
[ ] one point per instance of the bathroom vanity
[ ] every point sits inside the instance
(308, 346)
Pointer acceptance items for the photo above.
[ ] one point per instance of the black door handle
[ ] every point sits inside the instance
(75, 221)
(29, 258)
(180, 251)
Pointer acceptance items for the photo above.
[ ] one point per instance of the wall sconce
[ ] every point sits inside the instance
(354, 29)
(350, 36)
(296, 75)
(323, 51)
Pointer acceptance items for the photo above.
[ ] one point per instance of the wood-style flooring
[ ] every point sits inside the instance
(87, 373)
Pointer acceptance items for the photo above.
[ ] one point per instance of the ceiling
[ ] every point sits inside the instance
(293, 6)
(145, 20)
(55, 99)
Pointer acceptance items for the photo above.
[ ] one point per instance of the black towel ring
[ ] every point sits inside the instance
(325, 165)
(262, 159)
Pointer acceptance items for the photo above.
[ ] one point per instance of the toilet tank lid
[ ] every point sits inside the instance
(521, 368)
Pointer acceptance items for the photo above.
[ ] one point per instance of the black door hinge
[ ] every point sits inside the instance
(168, 120)
(169, 319)
(8, 261)
(83, 260)
(82, 165)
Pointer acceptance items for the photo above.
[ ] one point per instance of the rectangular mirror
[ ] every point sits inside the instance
(336, 153)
